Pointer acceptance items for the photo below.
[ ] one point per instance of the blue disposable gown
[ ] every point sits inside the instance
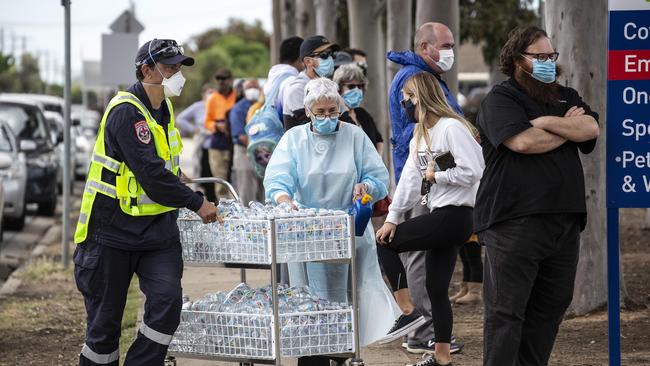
(320, 171)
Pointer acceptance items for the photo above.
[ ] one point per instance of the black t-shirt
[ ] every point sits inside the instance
(367, 124)
(514, 184)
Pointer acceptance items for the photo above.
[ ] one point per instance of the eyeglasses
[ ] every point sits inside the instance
(222, 78)
(352, 86)
(324, 115)
(553, 56)
(324, 55)
(169, 49)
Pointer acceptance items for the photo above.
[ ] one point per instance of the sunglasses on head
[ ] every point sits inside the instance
(323, 55)
(165, 48)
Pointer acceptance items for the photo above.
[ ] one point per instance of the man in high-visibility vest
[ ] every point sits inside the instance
(127, 222)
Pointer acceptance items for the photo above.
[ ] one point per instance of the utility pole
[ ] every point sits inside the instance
(66, 137)
(13, 44)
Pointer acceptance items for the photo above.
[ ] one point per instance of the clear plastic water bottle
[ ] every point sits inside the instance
(257, 207)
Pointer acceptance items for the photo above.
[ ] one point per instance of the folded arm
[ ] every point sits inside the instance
(578, 128)
(534, 141)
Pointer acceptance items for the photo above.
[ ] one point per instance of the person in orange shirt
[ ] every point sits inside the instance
(216, 109)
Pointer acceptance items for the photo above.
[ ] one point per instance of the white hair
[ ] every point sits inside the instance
(349, 72)
(321, 89)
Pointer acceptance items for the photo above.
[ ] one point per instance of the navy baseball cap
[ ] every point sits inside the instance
(165, 51)
(316, 43)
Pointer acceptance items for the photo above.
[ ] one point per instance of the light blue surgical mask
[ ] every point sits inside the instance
(544, 71)
(325, 67)
(353, 97)
(325, 125)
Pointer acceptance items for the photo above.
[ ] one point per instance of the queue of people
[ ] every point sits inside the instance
(512, 183)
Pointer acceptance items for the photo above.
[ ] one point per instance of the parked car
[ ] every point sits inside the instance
(55, 121)
(83, 150)
(14, 179)
(34, 139)
(2, 205)
(88, 119)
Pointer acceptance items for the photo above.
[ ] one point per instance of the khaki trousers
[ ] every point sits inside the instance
(220, 166)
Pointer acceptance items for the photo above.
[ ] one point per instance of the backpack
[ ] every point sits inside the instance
(264, 131)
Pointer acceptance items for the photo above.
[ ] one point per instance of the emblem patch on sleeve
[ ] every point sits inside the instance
(142, 132)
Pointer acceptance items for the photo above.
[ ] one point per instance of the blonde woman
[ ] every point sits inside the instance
(448, 186)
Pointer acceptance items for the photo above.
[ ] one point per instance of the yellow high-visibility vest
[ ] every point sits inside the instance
(127, 190)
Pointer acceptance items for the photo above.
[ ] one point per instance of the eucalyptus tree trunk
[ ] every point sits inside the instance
(399, 37)
(365, 19)
(288, 18)
(305, 18)
(578, 33)
(326, 18)
(276, 37)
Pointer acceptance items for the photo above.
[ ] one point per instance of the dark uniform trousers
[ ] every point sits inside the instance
(530, 267)
(103, 275)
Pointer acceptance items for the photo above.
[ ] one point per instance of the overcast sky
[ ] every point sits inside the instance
(41, 23)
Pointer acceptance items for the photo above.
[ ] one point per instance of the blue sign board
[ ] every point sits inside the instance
(628, 137)
(628, 105)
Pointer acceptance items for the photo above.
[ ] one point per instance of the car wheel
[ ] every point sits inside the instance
(47, 208)
(15, 223)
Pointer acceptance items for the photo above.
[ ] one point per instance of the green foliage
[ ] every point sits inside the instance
(22, 78)
(6, 63)
(489, 22)
(241, 47)
(76, 95)
(207, 62)
(236, 27)
(249, 59)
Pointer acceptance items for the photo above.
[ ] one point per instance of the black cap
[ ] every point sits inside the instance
(342, 58)
(315, 42)
(165, 51)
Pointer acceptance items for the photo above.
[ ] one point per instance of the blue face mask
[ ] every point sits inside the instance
(324, 126)
(353, 97)
(325, 67)
(544, 71)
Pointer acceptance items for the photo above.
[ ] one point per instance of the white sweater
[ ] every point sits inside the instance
(456, 186)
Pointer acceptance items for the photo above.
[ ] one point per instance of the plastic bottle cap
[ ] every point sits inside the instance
(366, 198)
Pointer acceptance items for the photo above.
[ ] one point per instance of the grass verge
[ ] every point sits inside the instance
(130, 318)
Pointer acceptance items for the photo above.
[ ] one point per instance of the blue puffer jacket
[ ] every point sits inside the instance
(402, 129)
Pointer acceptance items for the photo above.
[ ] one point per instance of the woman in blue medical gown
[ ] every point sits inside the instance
(328, 164)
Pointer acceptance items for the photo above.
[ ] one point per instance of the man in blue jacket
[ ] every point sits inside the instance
(433, 53)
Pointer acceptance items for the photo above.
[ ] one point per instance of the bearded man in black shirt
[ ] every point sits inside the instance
(530, 206)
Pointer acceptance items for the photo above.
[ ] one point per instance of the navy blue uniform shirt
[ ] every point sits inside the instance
(125, 141)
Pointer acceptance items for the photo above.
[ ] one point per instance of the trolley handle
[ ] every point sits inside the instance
(217, 180)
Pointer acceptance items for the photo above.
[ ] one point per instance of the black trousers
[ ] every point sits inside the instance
(470, 256)
(441, 233)
(530, 267)
(103, 275)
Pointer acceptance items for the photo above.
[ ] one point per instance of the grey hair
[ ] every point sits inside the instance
(321, 89)
(349, 72)
(425, 33)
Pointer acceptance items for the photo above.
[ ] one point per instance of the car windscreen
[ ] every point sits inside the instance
(26, 123)
(5, 142)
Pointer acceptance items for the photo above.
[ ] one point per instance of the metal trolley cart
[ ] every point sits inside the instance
(263, 243)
